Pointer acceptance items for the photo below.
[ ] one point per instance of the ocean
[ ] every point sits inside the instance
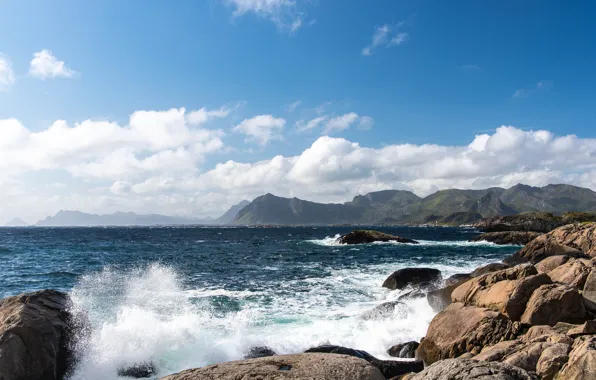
(186, 297)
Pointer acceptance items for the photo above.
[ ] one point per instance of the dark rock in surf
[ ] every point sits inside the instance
(422, 278)
(259, 352)
(457, 278)
(35, 336)
(508, 237)
(382, 311)
(370, 236)
(138, 371)
(389, 368)
(404, 350)
(412, 295)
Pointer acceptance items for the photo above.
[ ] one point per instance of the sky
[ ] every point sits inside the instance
(188, 107)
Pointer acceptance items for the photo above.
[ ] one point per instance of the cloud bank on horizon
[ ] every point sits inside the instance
(154, 164)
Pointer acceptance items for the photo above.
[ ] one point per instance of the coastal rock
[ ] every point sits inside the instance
(587, 328)
(506, 291)
(404, 350)
(259, 352)
(554, 303)
(545, 333)
(537, 222)
(467, 369)
(582, 361)
(412, 295)
(382, 311)
(550, 263)
(488, 268)
(389, 368)
(34, 336)
(370, 236)
(287, 367)
(576, 240)
(508, 237)
(441, 298)
(138, 371)
(457, 278)
(461, 329)
(418, 277)
(573, 273)
(589, 293)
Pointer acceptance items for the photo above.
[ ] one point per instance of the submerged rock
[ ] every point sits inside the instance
(35, 336)
(137, 371)
(404, 350)
(370, 236)
(259, 352)
(417, 277)
(294, 367)
(508, 237)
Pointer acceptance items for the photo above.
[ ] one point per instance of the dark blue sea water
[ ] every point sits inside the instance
(185, 297)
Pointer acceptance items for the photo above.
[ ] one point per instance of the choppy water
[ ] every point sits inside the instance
(184, 297)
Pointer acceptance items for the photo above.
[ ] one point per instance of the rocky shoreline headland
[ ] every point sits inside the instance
(530, 317)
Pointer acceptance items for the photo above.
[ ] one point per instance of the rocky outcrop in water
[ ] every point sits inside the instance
(290, 367)
(508, 237)
(416, 277)
(404, 350)
(370, 236)
(35, 336)
(575, 240)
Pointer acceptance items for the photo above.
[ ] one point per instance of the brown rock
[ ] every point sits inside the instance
(551, 263)
(552, 360)
(498, 351)
(295, 367)
(493, 267)
(577, 240)
(573, 272)
(554, 303)
(527, 356)
(457, 279)
(589, 293)
(419, 277)
(34, 336)
(545, 333)
(467, 369)
(459, 329)
(582, 361)
(589, 327)
(370, 236)
(506, 291)
(508, 237)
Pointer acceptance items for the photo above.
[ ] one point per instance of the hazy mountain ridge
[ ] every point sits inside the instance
(451, 206)
(16, 222)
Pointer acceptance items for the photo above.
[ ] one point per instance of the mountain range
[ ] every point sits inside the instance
(452, 206)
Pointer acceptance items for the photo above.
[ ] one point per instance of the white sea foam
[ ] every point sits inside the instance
(146, 314)
(329, 241)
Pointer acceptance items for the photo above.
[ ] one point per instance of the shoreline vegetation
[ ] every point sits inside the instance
(528, 317)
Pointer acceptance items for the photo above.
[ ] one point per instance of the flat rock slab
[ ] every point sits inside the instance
(371, 236)
(311, 366)
(467, 369)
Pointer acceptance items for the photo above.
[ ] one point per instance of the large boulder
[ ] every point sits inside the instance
(506, 291)
(466, 369)
(439, 299)
(370, 236)
(461, 329)
(582, 360)
(577, 240)
(508, 237)
(35, 336)
(418, 277)
(290, 367)
(489, 268)
(573, 272)
(382, 311)
(550, 263)
(589, 293)
(404, 350)
(259, 352)
(457, 279)
(389, 368)
(554, 303)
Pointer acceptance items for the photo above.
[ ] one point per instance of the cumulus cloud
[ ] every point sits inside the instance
(261, 129)
(45, 65)
(387, 36)
(283, 13)
(7, 77)
(204, 115)
(306, 125)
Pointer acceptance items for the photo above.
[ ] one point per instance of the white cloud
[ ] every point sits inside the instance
(306, 125)
(261, 129)
(387, 36)
(283, 13)
(203, 115)
(543, 85)
(340, 123)
(45, 65)
(366, 123)
(7, 77)
(292, 107)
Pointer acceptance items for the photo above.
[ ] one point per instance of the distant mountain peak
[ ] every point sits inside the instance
(16, 222)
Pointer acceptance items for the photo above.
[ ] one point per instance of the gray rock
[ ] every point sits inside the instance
(468, 369)
(404, 350)
(416, 277)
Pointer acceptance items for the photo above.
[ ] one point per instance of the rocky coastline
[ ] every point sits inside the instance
(530, 317)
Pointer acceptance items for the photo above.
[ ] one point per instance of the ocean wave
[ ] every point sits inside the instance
(204, 293)
(329, 241)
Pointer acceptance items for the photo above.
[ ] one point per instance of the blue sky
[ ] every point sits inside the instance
(384, 73)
